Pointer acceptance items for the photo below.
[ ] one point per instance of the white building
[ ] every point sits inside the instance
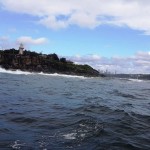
(21, 48)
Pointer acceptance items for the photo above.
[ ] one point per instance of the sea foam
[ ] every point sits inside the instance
(2, 70)
(61, 75)
(19, 72)
(136, 80)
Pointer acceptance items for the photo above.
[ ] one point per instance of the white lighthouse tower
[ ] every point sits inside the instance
(21, 48)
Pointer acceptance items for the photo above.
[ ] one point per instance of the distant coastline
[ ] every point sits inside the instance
(130, 76)
(13, 59)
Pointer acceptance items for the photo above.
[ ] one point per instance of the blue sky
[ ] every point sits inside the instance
(107, 34)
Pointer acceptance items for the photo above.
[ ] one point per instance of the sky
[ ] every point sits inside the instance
(112, 35)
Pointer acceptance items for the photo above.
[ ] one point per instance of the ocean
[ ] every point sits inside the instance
(58, 112)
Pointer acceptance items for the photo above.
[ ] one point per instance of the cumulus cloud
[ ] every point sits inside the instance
(6, 42)
(56, 14)
(139, 63)
(30, 41)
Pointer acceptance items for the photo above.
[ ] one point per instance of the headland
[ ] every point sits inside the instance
(13, 59)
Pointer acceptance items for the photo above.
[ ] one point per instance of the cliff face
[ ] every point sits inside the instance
(35, 62)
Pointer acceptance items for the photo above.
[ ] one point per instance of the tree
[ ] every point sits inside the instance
(53, 57)
(63, 60)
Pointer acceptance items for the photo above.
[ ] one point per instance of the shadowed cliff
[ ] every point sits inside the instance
(36, 62)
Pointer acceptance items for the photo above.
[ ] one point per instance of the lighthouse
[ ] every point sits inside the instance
(21, 48)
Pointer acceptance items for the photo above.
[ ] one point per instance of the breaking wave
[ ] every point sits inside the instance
(19, 72)
(2, 70)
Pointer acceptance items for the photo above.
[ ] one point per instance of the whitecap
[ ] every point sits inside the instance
(17, 144)
(61, 75)
(19, 72)
(136, 80)
(2, 70)
(70, 136)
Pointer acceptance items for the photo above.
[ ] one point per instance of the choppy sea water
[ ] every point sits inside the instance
(56, 112)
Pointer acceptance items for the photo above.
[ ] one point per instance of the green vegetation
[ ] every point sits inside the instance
(37, 62)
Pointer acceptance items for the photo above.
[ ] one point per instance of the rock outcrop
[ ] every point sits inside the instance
(35, 62)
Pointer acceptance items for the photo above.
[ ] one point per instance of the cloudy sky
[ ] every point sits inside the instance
(111, 35)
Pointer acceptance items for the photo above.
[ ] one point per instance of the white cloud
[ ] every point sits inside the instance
(56, 14)
(139, 63)
(30, 41)
(52, 22)
(6, 42)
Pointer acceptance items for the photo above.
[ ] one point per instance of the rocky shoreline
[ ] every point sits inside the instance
(36, 62)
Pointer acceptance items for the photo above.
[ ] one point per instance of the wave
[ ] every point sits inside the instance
(2, 70)
(61, 75)
(136, 80)
(19, 72)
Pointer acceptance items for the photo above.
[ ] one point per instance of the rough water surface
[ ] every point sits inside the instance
(54, 112)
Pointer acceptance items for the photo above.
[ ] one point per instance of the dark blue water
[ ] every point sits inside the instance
(41, 112)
